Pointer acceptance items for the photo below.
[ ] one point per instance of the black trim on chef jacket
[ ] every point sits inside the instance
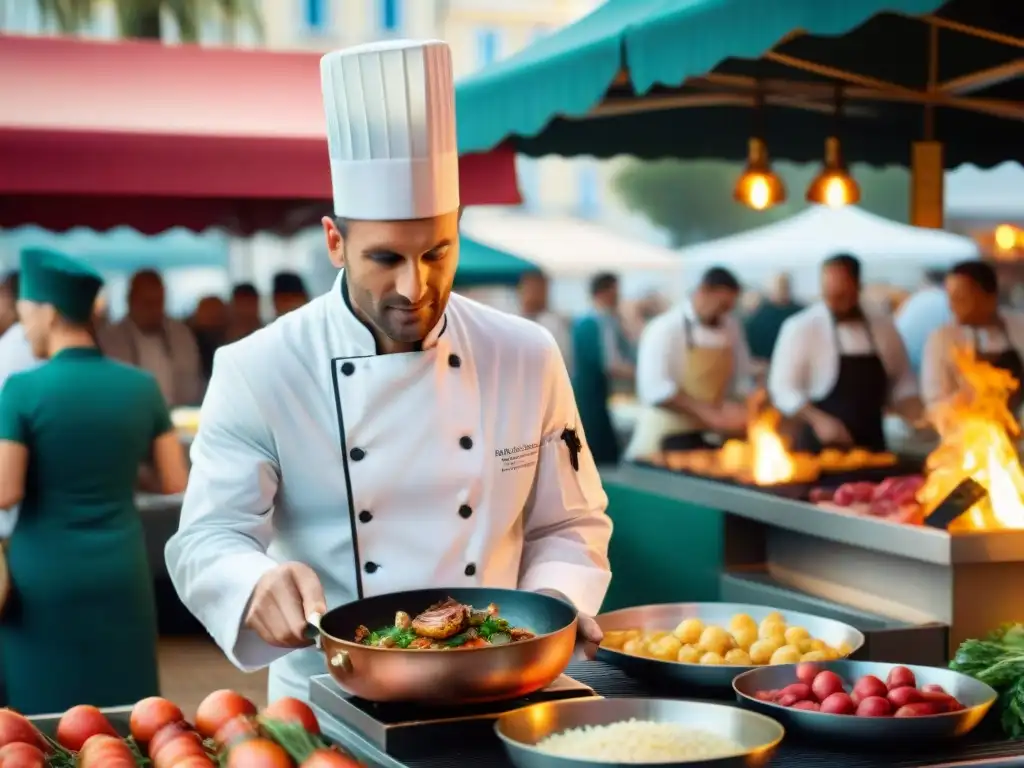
(347, 369)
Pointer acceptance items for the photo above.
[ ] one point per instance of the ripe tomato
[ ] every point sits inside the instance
(235, 730)
(152, 714)
(168, 733)
(258, 753)
(20, 755)
(194, 761)
(329, 758)
(289, 710)
(177, 749)
(79, 723)
(15, 728)
(103, 751)
(219, 707)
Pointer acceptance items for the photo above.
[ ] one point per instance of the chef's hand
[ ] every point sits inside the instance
(830, 431)
(728, 418)
(281, 601)
(588, 633)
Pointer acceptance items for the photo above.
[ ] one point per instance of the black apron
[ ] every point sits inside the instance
(1008, 361)
(857, 399)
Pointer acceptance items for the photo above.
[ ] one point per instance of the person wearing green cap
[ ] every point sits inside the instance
(73, 433)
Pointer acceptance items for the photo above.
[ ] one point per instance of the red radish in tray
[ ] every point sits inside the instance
(826, 693)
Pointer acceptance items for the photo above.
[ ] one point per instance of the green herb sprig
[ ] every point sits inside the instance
(999, 662)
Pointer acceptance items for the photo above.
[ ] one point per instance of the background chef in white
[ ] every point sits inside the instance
(388, 435)
(693, 364)
(837, 368)
(995, 335)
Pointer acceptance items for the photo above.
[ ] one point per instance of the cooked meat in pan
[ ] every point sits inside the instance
(445, 626)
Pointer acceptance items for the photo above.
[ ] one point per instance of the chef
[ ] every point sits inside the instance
(691, 361)
(837, 368)
(389, 435)
(996, 336)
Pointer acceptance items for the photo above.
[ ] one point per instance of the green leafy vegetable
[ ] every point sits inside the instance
(492, 625)
(402, 637)
(999, 662)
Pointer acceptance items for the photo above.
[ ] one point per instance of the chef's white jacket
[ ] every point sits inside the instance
(938, 373)
(558, 327)
(661, 355)
(805, 362)
(385, 472)
(15, 356)
(15, 353)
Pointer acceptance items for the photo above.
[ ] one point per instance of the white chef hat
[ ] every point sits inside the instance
(391, 130)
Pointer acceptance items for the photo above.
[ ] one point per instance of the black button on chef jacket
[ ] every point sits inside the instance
(466, 442)
(371, 567)
(348, 369)
(465, 511)
(471, 569)
(365, 516)
(454, 361)
(357, 454)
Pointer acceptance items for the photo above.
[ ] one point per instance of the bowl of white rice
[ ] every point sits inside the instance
(628, 732)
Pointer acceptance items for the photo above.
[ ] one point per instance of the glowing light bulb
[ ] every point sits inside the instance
(835, 192)
(759, 195)
(1006, 237)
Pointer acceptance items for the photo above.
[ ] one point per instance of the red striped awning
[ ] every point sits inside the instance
(134, 133)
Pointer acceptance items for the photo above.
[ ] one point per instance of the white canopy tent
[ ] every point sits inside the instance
(570, 250)
(892, 253)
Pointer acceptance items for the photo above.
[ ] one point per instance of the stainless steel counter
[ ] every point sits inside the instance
(914, 575)
(160, 514)
(915, 542)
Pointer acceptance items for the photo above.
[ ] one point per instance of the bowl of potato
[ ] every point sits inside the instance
(708, 644)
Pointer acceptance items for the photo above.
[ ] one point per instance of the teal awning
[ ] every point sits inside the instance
(480, 265)
(626, 50)
(123, 249)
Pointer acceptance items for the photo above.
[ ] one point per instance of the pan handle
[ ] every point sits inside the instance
(313, 630)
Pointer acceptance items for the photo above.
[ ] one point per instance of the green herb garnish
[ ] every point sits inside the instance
(492, 625)
(402, 637)
(999, 662)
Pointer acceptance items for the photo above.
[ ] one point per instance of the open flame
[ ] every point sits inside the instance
(978, 440)
(771, 462)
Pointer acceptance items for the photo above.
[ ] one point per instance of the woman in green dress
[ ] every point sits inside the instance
(80, 624)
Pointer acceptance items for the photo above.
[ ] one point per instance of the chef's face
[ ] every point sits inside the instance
(37, 320)
(533, 293)
(8, 312)
(840, 291)
(968, 302)
(712, 304)
(399, 273)
(146, 302)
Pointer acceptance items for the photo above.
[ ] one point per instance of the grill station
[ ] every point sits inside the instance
(915, 591)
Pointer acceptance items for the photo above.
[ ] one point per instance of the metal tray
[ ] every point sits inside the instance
(795, 491)
(522, 729)
(976, 697)
(905, 466)
(668, 616)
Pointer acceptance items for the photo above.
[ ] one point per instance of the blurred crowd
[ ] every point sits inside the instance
(178, 353)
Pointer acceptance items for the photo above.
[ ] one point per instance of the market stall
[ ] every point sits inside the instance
(177, 136)
(922, 83)
(890, 253)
